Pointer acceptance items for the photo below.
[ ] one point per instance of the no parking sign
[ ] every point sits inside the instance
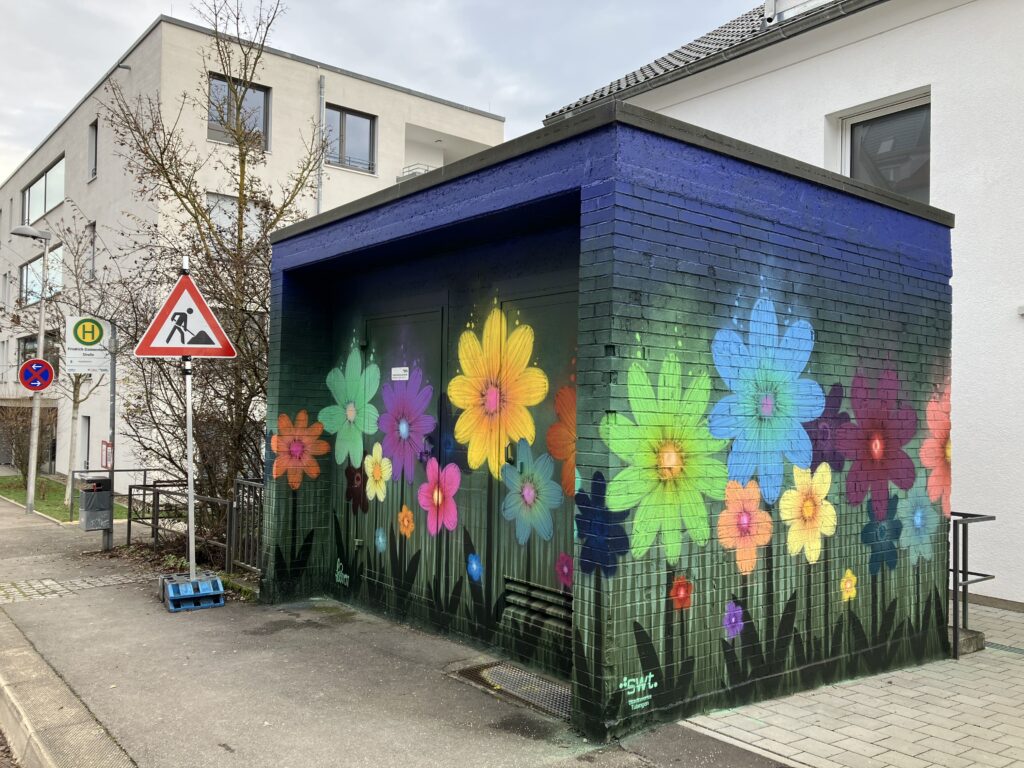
(35, 375)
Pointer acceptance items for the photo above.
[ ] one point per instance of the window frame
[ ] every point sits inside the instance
(93, 150)
(57, 252)
(340, 162)
(26, 196)
(892, 106)
(215, 131)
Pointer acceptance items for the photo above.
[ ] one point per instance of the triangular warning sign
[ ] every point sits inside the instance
(185, 326)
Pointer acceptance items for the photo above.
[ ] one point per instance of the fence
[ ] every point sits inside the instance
(962, 576)
(232, 528)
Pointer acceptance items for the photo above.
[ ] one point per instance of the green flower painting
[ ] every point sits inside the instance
(670, 458)
(353, 415)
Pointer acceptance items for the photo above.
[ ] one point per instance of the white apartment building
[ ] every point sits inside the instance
(921, 97)
(377, 133)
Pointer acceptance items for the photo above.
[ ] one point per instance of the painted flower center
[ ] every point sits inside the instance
(437, 497)
(357, 479)
(378, 473)
(296, 449)
(403, 429)
(492, 399)
(881, 532)
(350, 412)
(529, 494)
(847, 585)
(877, 447)
(825, 433)
(767, 405)
(744, 522)
(949, 451)
(670, 461)
(919, 518)
(809, 510)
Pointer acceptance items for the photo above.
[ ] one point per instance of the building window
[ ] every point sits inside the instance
(255, 116)
(44, 194)
(891, 148)
(351, 139)
(94, 128)
(28, 346)
(31, 277)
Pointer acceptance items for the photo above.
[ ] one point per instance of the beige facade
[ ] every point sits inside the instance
(410, 133)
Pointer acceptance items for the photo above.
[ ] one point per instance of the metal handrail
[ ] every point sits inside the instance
(963, 577)
(72, 512)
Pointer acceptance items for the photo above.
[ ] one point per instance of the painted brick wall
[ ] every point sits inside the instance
(754, 323)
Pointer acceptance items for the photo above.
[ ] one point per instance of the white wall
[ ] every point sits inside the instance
(970, 56)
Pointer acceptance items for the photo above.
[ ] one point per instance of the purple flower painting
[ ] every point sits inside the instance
(732, 621)
(824, 431)
(405, 423)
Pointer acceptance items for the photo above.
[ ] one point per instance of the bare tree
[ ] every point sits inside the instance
(217, 206)
(78, 278)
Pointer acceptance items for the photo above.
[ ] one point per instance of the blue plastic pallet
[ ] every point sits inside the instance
(180, 593)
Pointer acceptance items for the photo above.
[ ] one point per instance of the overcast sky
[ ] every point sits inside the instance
(519, 59)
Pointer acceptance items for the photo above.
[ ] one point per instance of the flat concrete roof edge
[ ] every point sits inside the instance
(601, 116)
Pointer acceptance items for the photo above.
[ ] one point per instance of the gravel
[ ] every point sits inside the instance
(6, 758)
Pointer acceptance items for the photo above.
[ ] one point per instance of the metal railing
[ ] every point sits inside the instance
(416, 169)
(232, 527)
(73, 512)
(962, 575)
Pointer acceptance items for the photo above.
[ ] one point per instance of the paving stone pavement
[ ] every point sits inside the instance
(42, 589)
(948, 714)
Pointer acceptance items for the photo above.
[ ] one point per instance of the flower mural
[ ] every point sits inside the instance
(561, 437)
(920, 523)
(848, 586)
(377, 469)
(353, 415)
(743, 526)
(563, 569)
(406, 524)
(437, 496)
(670, 459)
(355, 486)
(494, 390)
(532, 494)
(807, 513)
(380, 541)
(765, 414)
(601, 531)
(732, 620)
(405, 423)
(474, 568)
(681, 593)
(937, 449)
(824, 431)
(882, 537)
(874, 443)
(297, 446)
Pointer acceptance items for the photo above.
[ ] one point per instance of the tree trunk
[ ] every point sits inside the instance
(76, 388)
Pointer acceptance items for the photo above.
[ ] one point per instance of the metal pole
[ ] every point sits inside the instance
(189, 464)
(37, 397)
(108, 534)
(956, 589)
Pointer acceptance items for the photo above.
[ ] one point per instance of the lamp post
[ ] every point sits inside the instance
(33, 442)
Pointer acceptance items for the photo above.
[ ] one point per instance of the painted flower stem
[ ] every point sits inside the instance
(769, 582)
(826, 581)
(295, 526)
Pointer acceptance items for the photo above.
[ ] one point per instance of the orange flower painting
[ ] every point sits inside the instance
(297, 446)
(743, 526)
(937, 450)
(494, 390)
(562, 437)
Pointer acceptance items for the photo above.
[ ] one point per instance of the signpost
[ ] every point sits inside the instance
(87, 345)
(186, 327)
(35, 375)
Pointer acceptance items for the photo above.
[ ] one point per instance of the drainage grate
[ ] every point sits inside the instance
(1001, 647)
(526, 687)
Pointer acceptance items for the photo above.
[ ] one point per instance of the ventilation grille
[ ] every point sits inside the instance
(540, 604)
(504, 679)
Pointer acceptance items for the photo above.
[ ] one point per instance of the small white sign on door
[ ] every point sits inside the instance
(400, 374)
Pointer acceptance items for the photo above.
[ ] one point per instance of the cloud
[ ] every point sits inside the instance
(518, 59)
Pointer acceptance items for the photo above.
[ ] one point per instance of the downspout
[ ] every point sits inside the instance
(322, 112)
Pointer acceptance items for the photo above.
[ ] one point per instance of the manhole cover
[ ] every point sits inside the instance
(527, 687)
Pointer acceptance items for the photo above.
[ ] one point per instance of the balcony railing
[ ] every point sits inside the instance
(416, 169)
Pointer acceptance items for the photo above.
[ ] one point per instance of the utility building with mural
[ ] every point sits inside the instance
(646, 408)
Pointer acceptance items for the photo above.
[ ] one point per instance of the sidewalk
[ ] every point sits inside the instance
(309, 684)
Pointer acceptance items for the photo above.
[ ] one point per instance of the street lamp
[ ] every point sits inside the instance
(33, 442)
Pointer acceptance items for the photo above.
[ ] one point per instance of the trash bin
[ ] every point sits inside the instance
(96, 504)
